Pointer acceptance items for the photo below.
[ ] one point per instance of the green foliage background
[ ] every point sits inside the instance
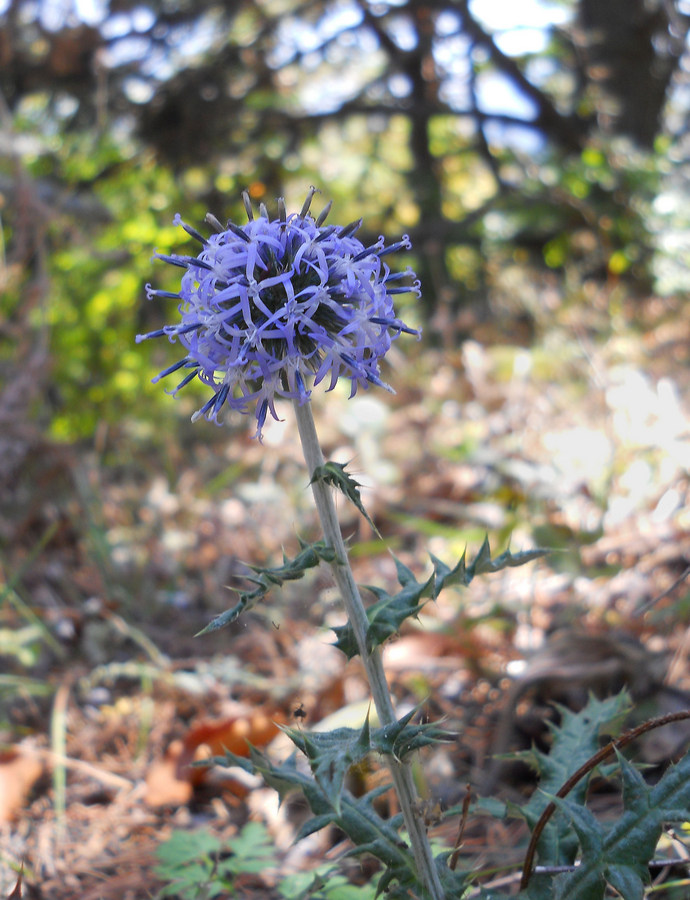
(275, 97)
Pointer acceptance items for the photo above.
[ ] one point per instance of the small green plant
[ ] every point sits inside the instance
(198, 866)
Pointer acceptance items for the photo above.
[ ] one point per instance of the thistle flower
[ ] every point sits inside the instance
(272, 308)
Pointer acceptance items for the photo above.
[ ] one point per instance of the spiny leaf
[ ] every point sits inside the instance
(309, 556)
(356, 817)
(446, 577)
(401, 738)
(462, 574)
(506, 560)
(619, 853)
(575, 740)
(387, 615)
(405, 575)
(227, 617)
(334, 473)
(332, 754)
(454, 883)
(345, 640)
(390, 611)
(284, 778)
(316, 823)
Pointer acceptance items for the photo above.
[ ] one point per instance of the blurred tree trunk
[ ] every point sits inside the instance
(632, 49)
(426, 181)
(418, 65)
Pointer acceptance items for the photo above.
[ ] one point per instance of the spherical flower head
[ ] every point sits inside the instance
(274, 307)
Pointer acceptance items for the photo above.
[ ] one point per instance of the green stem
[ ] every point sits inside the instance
(400, 771)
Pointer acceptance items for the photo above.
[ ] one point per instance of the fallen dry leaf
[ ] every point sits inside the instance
(171, 780)
(164, 785)
(19, 771)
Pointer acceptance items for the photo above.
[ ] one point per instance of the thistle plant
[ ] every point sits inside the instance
(272, 309)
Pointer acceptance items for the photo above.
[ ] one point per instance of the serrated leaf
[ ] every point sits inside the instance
(388, 613)
(627, 882)
(589, 831)
(334, 474)
(332, 754)
(400, 739)
(575, 740)
(316, 823)
(592, 889)
(626, 846)
(484, 564)
(447, 577)
(357, 817)
(226, 618)
(462, 574)
(386, 616)
(252, 850)
(346, 641)
(310, 555)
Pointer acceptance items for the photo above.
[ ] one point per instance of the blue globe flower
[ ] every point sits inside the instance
(276, 306)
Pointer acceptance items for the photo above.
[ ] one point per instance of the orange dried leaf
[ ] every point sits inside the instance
(164, 785)
(214, 738)
(171, 781)
(19, 771)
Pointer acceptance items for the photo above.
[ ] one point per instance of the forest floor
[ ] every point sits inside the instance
(573, 436)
